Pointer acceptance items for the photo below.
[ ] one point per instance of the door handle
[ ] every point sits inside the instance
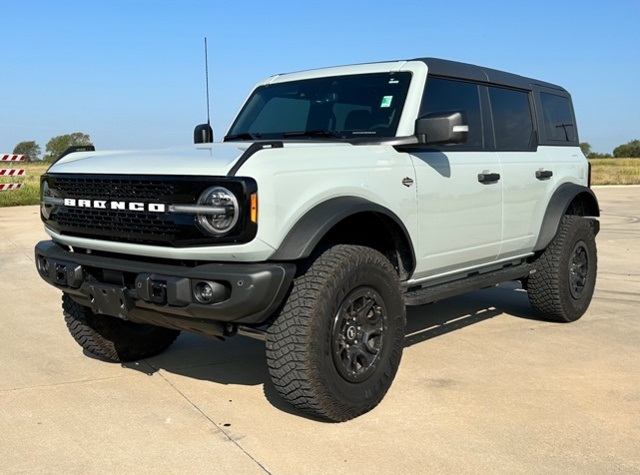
(488, 178)
(544, 174)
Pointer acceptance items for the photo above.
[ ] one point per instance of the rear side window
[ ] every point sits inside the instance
(512, 121)
(559, 125)
(444, 95)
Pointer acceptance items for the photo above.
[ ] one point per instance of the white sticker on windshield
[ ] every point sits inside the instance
(393, 81)
(386, 101)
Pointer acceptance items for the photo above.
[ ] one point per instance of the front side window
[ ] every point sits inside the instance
(559, 125)
(344, 107)
(512, 122)
(445, 95)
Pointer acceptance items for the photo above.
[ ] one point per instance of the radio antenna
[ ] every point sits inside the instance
(203, 133)
(206, 71)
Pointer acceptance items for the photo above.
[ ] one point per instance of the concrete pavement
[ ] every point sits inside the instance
(483, 387)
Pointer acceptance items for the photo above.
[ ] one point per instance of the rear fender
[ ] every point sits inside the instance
(567, 199)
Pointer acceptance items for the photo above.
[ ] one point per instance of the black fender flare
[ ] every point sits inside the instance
(557, 208)
(305, 235)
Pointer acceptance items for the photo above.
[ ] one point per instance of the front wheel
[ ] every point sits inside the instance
(335, 348)
(562, 285)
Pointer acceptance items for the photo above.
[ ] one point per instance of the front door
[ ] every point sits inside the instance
(459, 210)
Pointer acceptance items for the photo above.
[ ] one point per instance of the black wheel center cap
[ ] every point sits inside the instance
(359, 334)
(578, 269)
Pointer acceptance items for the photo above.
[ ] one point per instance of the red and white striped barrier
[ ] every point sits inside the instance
(11, 172)
(11, 158)
(10, 186)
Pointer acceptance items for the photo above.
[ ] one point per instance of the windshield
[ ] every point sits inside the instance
(339, 107)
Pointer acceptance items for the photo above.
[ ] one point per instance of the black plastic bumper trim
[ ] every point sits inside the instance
(255, 290)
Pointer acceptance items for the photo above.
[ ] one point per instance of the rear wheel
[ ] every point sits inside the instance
(562, 285)
(335, 348)
(112, 338)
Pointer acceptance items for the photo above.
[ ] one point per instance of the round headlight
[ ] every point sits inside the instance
(45, 208)
(225, 210)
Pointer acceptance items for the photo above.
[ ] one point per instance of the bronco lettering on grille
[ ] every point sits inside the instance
(115, 205)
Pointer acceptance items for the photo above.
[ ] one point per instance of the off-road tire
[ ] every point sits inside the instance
(564, 277)
(335, 347)
(112, 338)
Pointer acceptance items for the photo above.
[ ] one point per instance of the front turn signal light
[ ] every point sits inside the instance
(254, 208)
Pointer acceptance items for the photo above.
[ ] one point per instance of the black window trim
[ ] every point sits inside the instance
(482, 76)
(486, 115)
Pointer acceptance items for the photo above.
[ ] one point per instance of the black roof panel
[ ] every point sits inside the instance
(453, 69)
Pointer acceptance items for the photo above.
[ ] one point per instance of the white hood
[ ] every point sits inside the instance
(202, 159)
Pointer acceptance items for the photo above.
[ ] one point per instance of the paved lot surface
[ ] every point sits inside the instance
(483, 387)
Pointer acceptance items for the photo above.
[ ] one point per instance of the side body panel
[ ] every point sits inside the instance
(295, 179)
(460, 218)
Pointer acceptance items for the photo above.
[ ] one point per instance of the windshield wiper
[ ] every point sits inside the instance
(314, 133)
(243, 136)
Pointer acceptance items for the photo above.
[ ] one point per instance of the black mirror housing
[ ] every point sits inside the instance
(203, 133)
(442, 128)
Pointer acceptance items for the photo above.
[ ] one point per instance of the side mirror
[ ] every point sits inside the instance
(203, 133)
(442, 128)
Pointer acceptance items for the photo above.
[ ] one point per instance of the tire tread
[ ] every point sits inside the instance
(545, 287)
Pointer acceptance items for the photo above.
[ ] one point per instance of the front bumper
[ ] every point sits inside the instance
(165, 294)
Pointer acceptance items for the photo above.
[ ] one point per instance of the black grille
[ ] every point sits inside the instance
(125, 226)
(143, 227)
(114, 189)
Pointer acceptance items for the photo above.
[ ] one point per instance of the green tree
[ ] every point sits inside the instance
(31, 150)
(599, 155)
(586, 148)
(628, 150)
(59, 144)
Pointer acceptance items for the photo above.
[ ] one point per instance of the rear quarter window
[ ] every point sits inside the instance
(557, 118)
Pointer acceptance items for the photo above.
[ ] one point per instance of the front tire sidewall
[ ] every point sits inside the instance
(359, 396)
(358, 281)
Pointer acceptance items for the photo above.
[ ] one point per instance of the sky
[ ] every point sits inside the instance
(131, 73)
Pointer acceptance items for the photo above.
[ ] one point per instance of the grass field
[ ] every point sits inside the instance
(615, 171)
(604, 171)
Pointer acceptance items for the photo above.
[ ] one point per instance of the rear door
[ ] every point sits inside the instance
(527, 174)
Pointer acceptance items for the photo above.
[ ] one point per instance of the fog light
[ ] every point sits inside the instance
(204, 292)
(43, 266)
(209, 292)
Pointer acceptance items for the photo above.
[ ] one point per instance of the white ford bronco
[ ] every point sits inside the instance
(338, 197)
